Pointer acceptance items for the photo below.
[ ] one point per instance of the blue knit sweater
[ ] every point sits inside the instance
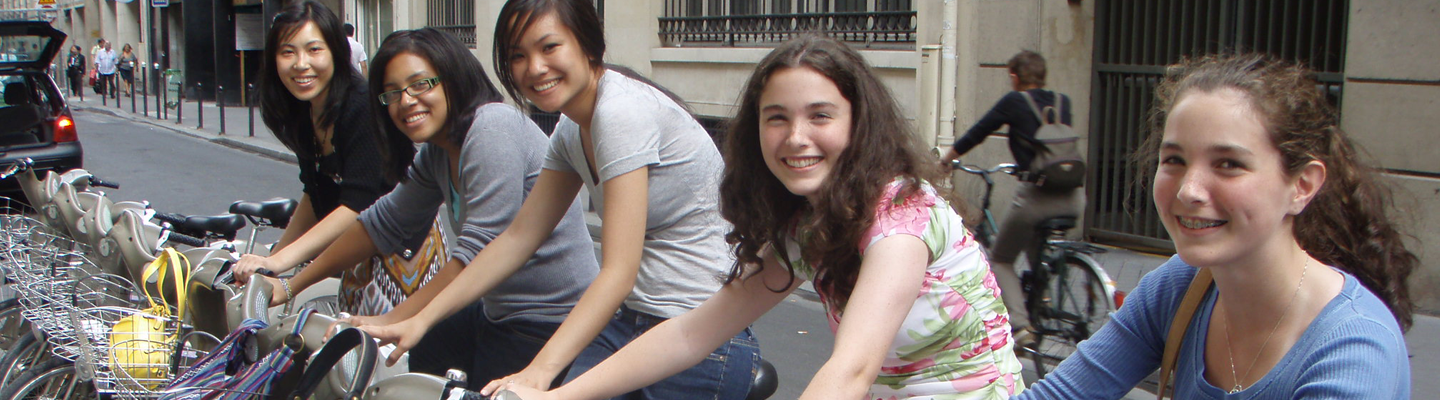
(1353, 350)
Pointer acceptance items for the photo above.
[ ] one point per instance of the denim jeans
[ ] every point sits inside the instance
(725, 374)
(485, 350)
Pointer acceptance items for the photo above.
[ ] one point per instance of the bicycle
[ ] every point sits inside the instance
(1068, 294)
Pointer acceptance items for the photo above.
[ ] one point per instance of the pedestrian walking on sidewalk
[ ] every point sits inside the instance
(126, 67)
(105, 65)
(75, 70)
(319, 107)
(1263, 193)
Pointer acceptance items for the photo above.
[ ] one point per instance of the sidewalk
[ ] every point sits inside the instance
(188, 120)
(1124, 266)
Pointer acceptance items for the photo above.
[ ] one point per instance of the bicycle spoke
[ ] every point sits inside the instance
(1076, 306)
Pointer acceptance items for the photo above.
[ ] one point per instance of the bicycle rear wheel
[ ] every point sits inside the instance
(1076, 306)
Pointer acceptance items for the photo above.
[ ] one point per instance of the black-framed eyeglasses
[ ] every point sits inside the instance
(414, 89)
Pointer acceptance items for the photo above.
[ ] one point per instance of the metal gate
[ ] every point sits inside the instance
(1136, 39)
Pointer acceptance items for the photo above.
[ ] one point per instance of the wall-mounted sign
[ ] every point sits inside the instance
(249, 31)
(159, 3)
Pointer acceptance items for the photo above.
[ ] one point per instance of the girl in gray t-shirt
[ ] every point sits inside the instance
(652, 173)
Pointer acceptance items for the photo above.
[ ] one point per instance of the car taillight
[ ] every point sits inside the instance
(65, 130)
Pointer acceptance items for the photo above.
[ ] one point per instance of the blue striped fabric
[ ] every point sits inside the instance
(208, 378)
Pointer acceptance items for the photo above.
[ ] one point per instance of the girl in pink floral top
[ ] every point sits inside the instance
(824, 181)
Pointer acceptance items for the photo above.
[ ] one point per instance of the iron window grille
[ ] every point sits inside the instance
(887, 24)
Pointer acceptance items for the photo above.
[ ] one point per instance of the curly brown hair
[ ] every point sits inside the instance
(1347, 224)
(765, 213)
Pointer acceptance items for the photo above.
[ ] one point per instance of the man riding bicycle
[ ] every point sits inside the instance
(1032, 204)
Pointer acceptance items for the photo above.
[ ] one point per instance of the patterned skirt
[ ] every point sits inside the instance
(376, 286)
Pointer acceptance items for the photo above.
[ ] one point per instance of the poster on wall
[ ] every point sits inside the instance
(249, 31)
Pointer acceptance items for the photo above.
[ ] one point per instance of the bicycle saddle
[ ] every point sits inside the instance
(765, 383)
(225, 226)
(277, 211)
(1056, 224)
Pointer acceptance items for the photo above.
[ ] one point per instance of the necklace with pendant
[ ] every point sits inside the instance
(1230, 347)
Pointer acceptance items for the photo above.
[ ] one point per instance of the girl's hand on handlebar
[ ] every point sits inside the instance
(528, 393)
(530, 377)
(250, 263)
(945, 160)
(278, 297)
(345, 320)
(404, 334)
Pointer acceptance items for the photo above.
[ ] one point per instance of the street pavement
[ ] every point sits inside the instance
(794, 336)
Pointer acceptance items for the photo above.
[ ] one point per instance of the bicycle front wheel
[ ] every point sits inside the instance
(56, 380)
(1076, 307)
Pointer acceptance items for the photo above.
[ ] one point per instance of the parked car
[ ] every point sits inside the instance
(35, 120)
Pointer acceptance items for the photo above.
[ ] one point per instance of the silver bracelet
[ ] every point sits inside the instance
(285, 283)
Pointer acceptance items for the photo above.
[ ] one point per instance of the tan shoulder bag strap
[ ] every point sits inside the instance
(1188, 305)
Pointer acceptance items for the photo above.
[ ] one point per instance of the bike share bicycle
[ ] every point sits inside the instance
(51, 289)
(1068, 294)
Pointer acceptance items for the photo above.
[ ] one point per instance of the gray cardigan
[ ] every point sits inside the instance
(500, 161)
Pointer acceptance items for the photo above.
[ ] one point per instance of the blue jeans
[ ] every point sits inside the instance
(485, 350)
(725, 374)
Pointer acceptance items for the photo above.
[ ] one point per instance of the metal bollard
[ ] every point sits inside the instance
(200, 104)
(179, 103)
(220, 104)
(160, 97)
(144, 91)
(250, 109)
(132, 91)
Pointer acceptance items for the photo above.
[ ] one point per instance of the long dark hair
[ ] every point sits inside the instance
(516, 17)
(463, 80)
(882, 147)
(288, 117)
(1347, 223)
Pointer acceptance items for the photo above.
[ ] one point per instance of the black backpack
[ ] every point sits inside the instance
(1057, 165)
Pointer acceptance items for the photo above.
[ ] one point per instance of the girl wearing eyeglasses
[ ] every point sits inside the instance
(320, 110)
(478, 159)
(653, 174)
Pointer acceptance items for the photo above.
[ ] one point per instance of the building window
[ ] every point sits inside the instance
(456, 17)
(736, 23)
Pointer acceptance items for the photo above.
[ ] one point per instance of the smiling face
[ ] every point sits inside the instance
(1220, 188)
(422, 117)
(804, 126)
(551, 69)
(305, 64)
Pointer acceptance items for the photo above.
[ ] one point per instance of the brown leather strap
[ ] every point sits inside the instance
(1188, 305)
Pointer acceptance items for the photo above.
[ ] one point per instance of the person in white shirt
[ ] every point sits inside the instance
(357, 51)
(105, 61)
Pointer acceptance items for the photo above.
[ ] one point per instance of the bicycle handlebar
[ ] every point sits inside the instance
(184, 239)
(102, 183)
(1008, 168)
(18, 167)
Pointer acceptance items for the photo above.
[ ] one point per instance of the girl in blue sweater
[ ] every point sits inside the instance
(1256, 182)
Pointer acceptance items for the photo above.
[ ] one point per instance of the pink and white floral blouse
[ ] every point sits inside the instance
(955, 342)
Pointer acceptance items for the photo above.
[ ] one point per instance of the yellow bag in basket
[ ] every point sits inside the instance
(140, 346)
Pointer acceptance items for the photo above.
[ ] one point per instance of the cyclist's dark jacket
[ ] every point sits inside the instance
(354, 174)
(1012, 110)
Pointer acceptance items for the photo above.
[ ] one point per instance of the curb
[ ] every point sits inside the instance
(281, 155)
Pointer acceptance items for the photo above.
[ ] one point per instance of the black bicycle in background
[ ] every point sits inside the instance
(1067, 292)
